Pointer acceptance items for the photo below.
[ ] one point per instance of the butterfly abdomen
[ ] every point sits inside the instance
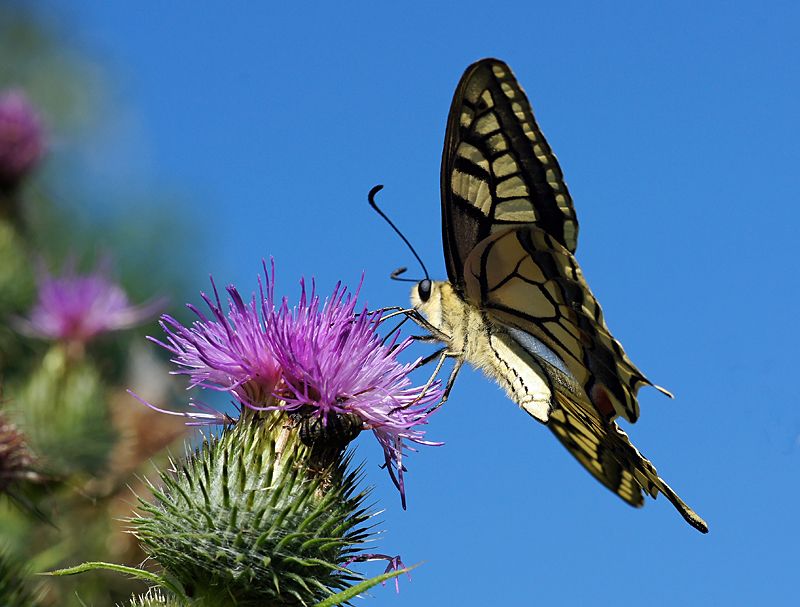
(521, 374)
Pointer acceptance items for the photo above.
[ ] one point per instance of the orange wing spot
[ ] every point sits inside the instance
(602, 401)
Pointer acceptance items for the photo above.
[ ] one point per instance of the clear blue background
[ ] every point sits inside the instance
(677, 130)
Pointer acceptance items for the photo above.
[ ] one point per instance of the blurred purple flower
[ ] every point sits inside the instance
(322, 361)
(21, 137)
(76, 307)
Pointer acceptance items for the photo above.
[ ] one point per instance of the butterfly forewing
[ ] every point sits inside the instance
(497, 169)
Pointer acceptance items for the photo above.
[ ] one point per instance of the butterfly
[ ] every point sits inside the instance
(516, 304)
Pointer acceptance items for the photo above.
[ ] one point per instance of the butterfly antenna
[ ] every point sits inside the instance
(396, 274)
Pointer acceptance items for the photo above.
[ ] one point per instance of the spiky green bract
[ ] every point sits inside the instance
(246, 521)
(64, 412)
(154, 598)
(16, 584)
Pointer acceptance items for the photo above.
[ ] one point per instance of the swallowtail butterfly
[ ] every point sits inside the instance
(516, 304)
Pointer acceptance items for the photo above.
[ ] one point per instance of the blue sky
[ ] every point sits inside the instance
(677, 131)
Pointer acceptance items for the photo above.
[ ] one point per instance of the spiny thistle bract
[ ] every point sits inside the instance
(246, 521)
(154, 597)
(63, 408)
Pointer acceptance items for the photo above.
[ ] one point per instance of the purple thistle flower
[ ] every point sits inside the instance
(318, 360)
(76, 308)
(21, 137)
(227, 353)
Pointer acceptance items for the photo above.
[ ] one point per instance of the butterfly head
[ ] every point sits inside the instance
(424, 288)
(426, 297)
(438, 303)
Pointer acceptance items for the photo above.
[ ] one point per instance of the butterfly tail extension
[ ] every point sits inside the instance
(663, 391)
(606, 452)
(648, 478)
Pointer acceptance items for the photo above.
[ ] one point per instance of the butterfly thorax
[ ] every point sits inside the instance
(513, 358)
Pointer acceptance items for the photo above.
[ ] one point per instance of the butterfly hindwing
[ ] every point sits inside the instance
(522, 277)
(607, 453)
(497, 169)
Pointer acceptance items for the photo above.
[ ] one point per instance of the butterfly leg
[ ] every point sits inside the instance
(429, 358)
(443, 354)
(418, 318)
(393, 333)
(395, 311)
(408, 316)
(450, 380)
(412, 314)
(425, 338)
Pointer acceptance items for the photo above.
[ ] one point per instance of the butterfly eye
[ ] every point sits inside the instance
(424, 289)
